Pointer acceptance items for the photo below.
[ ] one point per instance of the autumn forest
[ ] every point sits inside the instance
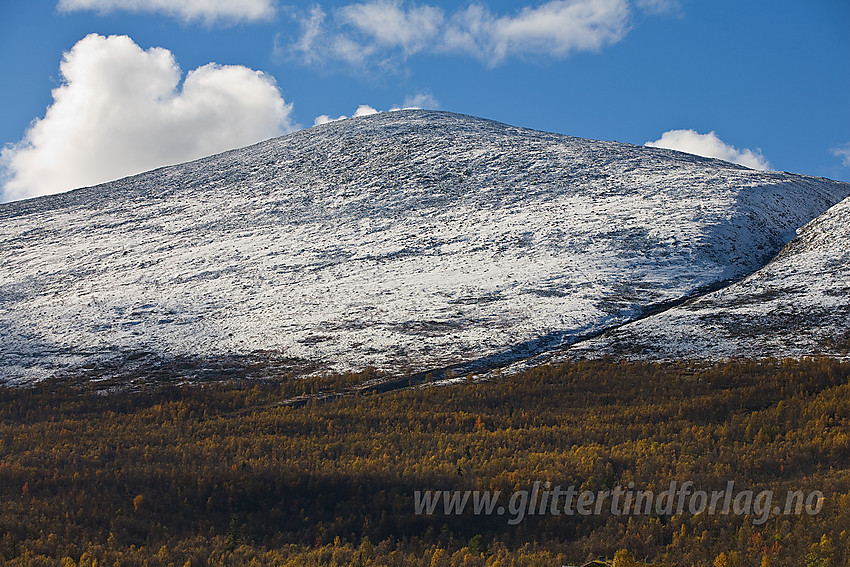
(234, 473)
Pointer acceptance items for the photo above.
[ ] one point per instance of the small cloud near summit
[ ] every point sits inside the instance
(709, 145)
(365, 110)
(414, 102)
(424, 101)
(362, 110)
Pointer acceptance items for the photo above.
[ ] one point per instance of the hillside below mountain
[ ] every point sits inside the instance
(405, 241)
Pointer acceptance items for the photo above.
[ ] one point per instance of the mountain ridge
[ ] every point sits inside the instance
(796, 305)
(404, 241)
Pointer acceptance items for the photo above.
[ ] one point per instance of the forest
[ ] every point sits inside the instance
(234, 473)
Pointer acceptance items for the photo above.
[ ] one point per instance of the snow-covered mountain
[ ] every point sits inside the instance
(406, 241)
(797, 305)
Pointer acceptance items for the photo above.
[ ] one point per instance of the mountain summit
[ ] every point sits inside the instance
(406, 241)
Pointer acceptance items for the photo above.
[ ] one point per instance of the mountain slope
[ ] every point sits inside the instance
(797, 305)
(408, 241)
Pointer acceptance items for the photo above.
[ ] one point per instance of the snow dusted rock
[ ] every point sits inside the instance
(406, 241)
(797, 305)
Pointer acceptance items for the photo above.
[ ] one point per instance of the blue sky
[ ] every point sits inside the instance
(769, 79)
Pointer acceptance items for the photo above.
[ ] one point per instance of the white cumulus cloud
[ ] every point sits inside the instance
(208, 11)
(412, 102)
(121, 110)
(379, 30)
(365, 110)
(709, 145)
(388, 24)
(554, 29)
(325, 118)
(421, 100)
(362, 110)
